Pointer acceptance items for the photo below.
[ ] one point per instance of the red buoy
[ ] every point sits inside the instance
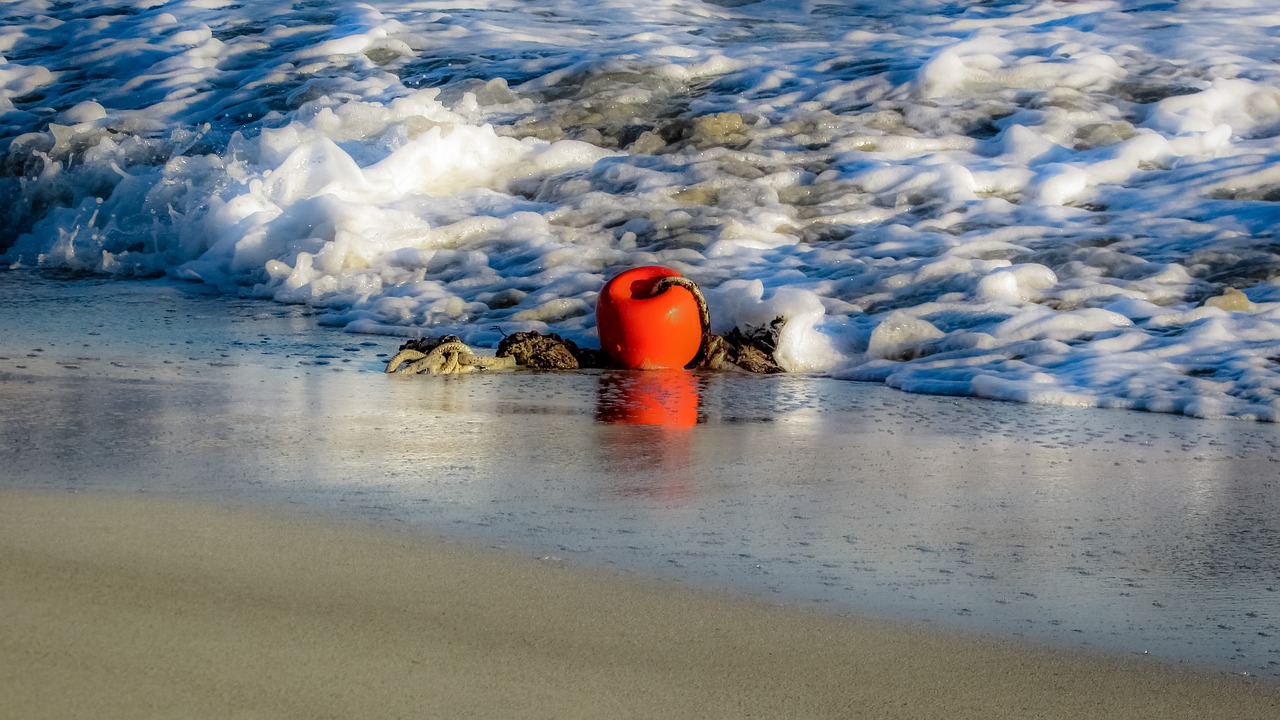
(646, 325)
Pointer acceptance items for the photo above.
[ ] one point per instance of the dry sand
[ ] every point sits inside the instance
(153, 608)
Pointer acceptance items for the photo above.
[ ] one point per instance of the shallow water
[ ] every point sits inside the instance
(1135, 533)
(1068, 203)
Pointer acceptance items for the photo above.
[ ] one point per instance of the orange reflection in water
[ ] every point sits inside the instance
(648, 443)
(651, 397)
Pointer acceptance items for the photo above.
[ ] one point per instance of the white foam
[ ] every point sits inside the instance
(1035, 202)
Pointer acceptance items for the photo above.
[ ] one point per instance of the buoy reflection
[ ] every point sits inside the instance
(654, 397)
(646, 442)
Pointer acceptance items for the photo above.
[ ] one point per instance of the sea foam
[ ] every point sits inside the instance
(1048, 202)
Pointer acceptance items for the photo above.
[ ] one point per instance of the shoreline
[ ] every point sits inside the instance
(144, 607)
(1139, 535)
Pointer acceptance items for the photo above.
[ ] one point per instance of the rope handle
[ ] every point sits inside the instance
(704, 314)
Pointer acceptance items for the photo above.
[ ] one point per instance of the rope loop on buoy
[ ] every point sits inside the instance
(704, 314)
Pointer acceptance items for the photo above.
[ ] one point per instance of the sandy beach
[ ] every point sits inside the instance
(213, 508)
(128, 608)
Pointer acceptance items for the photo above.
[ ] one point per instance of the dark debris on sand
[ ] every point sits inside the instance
(548, 352)
(749, 350)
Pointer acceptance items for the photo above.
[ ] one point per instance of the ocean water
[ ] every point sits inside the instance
(1049, 202)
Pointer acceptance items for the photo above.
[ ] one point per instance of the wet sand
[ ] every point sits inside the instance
(151, 608)
(212, 506)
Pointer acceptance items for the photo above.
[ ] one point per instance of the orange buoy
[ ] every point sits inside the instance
(645, 323)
